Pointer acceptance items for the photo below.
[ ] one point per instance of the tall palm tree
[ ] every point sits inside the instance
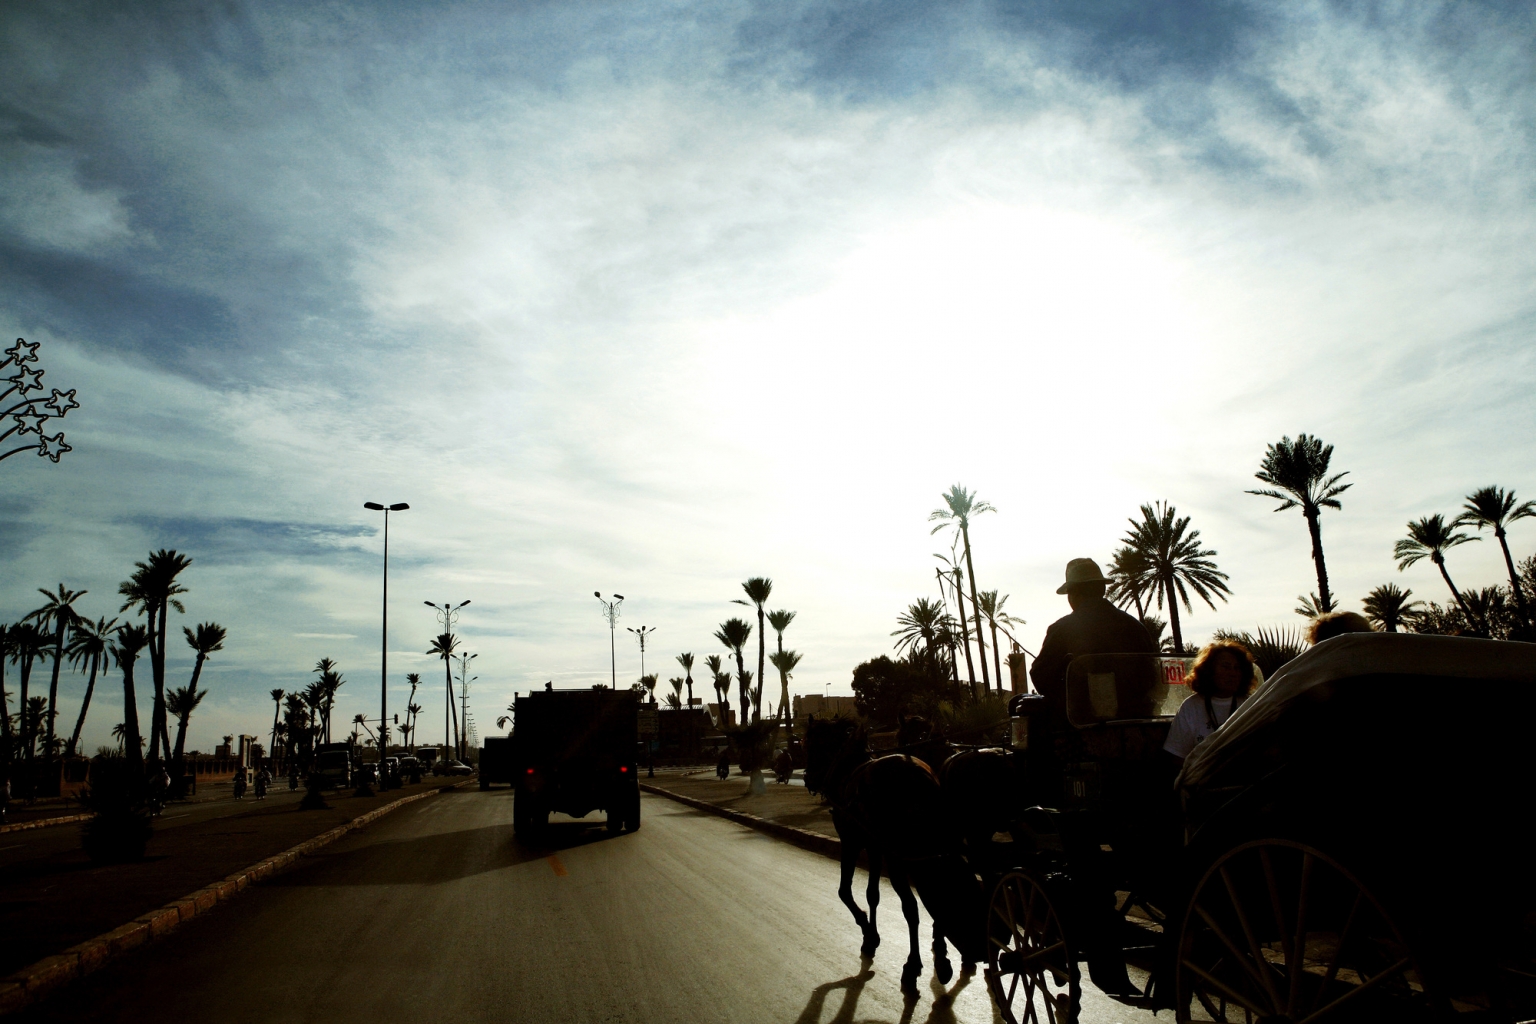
(919, 627)
(330, 681)
(648, 684)
(414, 678)
(1431, 537)
(780, 621)
(959, 506)
(277, 694)
(1388, 606)
(88, 646)
(1297, 472)
(1179, 563)
(1310, 606)
(125, 650)
(1495, 508)
(1490, 606)
(954, 576)
(181, 702)
(28, 644)
(722, 684)
(208, 639)
(758, 589)
(1131, 579)
(785, 662)
(734, 634)
(991, 609)
(57, 615)
(686, 661)
(675, 698)
(153, 588)
(444, 645)
(296, 719)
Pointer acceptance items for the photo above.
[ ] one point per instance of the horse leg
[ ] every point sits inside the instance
(872, 897)
(941, 968)
(914, 965)
(850, 861)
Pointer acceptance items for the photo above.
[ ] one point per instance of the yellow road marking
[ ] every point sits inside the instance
(554, 862)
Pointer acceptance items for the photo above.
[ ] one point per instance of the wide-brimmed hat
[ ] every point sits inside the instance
(1081, 570)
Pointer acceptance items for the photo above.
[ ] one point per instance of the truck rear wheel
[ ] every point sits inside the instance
(632, 820)
(615, 820)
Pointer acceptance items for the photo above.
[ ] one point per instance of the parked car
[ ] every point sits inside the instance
(452, 767)
(411, 767)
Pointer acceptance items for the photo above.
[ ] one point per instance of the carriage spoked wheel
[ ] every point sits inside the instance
(1031, 970)
(1280, 933)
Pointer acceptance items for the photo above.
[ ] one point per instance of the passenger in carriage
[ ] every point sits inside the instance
(1222, 677)
(1094, 627)
(1326, 627)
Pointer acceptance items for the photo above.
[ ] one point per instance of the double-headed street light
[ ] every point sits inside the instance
(642, 633)
(611, 613)
(447, 615)
(384, 637)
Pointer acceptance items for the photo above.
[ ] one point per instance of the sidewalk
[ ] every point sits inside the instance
(52, 897)
(783, 806)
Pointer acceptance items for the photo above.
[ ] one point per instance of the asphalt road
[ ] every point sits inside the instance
(436, 913)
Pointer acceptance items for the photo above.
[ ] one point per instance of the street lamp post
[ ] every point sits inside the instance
(447, 615)
(642, 633)
(611, 613)
(384, 634)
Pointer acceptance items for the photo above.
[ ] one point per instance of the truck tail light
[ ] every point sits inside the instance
(623, 769)
(530, 771)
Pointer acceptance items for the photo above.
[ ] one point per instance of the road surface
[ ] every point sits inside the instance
(436, 913)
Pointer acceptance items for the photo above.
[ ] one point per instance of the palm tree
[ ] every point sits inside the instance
(686, 660)
(648, 684)
(88, 644)
(1431, 537)
(758, 589)
(992, 608)
(734, 634)
(153, 589)
(1131, 579)
(1310, 606)
(1178, 562)
(785, 662)
(780, 621)
(1490, 605)
(675, 698)
(443, 646)
(131, 640)
(5, 703)
(1389, 607)
(960, 506)
(1297, 472)
(277, 694)
(1494, 507)
(414, 678)
(296, 718)
(722, 684)
(208, 639)
(57, 615)
(330, 681)
(181, 702)
(412, 712)
(28, 644)
(921, 624)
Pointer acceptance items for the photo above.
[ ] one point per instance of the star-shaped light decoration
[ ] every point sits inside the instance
(27, 380)
(62, 402)
(23, 351)
(53, 447)
(35, 426)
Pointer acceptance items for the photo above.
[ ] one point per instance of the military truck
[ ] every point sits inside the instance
(496, 761)
(573, 751)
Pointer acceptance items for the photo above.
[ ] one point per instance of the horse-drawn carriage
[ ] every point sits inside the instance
(1350, 846)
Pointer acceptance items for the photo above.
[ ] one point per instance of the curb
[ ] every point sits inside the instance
(801, 837)
(22, 826)
(33, 983)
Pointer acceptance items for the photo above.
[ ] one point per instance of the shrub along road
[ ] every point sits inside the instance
(437, 912)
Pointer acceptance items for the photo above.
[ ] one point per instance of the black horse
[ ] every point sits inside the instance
(891, 809)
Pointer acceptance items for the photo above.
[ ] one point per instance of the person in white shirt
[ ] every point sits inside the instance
(1222, 676)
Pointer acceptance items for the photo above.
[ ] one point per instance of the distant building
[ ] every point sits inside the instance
(810, 704)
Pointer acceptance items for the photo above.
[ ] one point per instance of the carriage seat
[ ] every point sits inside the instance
(1123, 704)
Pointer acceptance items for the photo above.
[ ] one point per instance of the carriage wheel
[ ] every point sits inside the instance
(1280, 932)
(1031, 971)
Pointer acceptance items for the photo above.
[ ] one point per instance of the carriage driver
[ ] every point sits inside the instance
(1221, 677)
(1094, 627)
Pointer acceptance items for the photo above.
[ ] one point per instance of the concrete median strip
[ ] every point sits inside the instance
(36, 981)
(804, 838)
(63, 819)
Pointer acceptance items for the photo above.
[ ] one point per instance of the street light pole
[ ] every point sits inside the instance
(447, 615)
(384, 637)
(611, 613)
(642, 633)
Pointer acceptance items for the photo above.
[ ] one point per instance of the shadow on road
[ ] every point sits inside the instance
(941, 1012)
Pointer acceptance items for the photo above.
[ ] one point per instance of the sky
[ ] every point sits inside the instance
(650, 298)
